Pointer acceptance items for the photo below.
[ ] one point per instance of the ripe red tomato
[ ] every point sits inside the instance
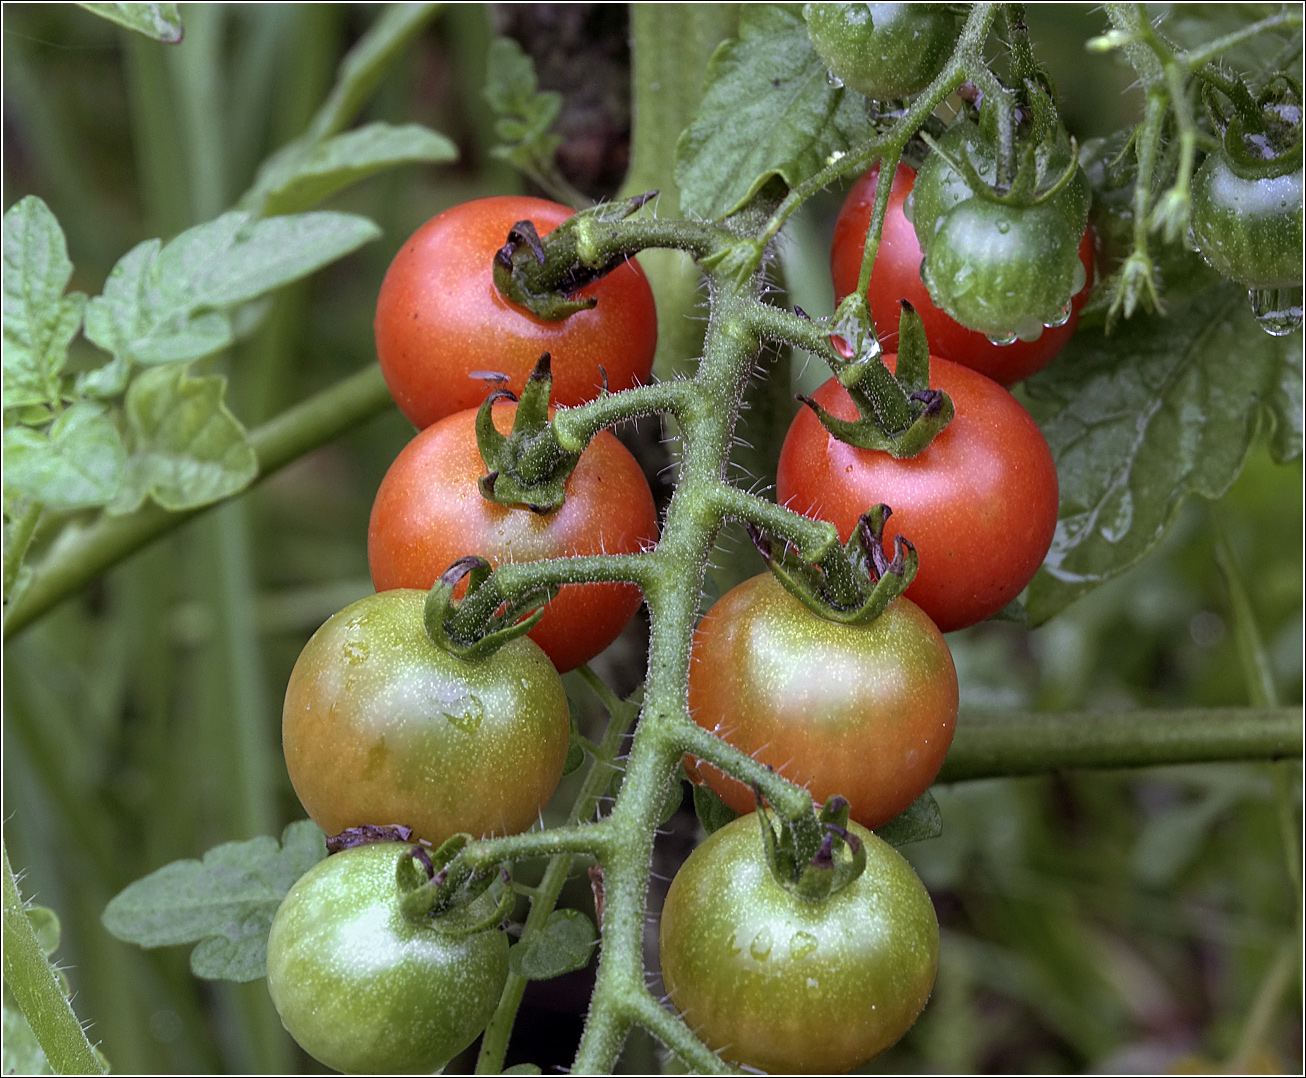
(429, 512)
(866, 711)
(440, 319)
(897, 276)
(980, 502)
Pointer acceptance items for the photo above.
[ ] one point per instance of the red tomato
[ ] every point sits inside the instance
(440, 320)
(897, 276)
(865, 711)
(429, 512)
(980, 502)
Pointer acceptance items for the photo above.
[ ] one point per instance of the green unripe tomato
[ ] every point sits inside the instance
(1249, 230)
(1007, 271)
(883, 50)
(789, 986)
(364, 989)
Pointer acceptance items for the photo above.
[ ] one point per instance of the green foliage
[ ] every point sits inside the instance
(919, 821)
(566, 944)
(159, 21)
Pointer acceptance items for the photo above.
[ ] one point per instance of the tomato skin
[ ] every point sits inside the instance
(429, 512)
(795, 987)
(1248, 229)
(980, 503)
(382, 727)
(865, 711)
(883, 50)
(439, 318)
(364, 990)
(896, 276)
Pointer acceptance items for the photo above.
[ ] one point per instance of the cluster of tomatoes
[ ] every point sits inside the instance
(382, 727)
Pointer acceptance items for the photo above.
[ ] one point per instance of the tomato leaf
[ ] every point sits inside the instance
(167, 303)
(78, 464)
(712, 812)
(188, 449)
(39, 320)
(20, 1052)
(1161, 409)
(162, 22)
(919, 821)
(523, 1068)
(565, 945)
(769, 110)
(225, 902)
(525, 113)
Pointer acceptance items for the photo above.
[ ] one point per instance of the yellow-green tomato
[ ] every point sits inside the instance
(789, 986)
(364, 989)
(382, 727)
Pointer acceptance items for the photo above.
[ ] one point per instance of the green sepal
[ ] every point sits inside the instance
(441, 889)
(1260, 124)
(479, 624)
(815, 856)
(913, 367)
(528, 467)
(852, 584)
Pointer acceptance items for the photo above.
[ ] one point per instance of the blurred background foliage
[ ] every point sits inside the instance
(1136, 921)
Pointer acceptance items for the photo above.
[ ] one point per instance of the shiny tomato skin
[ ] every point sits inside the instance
(363, 989)
(980, 503)
(429, 512)
(789, 986)
(382, 727)
(440, 319)
(896, 276)
(865, 711)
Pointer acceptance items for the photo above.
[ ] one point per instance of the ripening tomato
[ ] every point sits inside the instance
(429, 512)
(980, 502)
(897, 276)
(442, 325)
(864, 711)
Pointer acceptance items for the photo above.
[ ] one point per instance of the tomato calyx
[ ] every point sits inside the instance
(544, 275)
(442, 890)
(484, 620)
(1262, 139)
(366, 834)
(527, 467)
(852, 584)
(816, 855)
(899, 414)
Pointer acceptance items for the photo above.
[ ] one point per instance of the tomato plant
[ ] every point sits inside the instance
(791, 986)
(980, 503)
(364, 988)
(863, 711)
(443, 328)
(382, 727)
(896, 275)
(883, 50)
(428, 512)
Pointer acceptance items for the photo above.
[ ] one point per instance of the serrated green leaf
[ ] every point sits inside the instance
(1286, 408)
(39, 320)
(20, 1052)
(768, 110)
(575, 757)
(159, 21)
(565, 945)
(919, 821)
(78, 464)
(523, 1068)
(225, 902)
(105, 382)
(1162, 409)
(187, 447)
(712, 812)
(524, 113)
(335, 163)
(45, 924)
(165, 304)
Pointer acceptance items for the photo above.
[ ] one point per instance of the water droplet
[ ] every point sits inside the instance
(466, 714)
(801, 944)
(732, 946)
(834, 80)
(1004, 227)
(1278, 311)
(909, 207)
(761, 946)
(355, 651)
(1079, 277)
(1062, 317)
(1030, 330)
(1001, 339)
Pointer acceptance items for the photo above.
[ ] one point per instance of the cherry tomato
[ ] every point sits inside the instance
(865, 711)
(382, 727)
(896, 276)
(429, 512)
(1249, 228)
(980, 502)
(441, 324)
(789, 986)
(883, 50)
(364, 989)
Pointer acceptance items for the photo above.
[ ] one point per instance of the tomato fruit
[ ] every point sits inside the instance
(1248, 229)
(789, 986)
(865, 711)
(883, 50)
(364, 989)
(429, 512)
(980, 502)
(896, 276)
(382, 727)
(441, 323)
